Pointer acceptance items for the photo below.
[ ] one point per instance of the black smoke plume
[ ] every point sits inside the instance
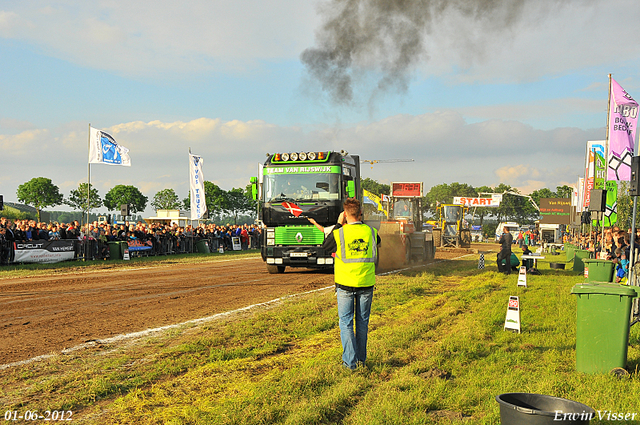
(387, 37)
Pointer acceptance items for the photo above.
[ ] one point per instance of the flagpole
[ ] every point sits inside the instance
(88, 189)
(606, 156)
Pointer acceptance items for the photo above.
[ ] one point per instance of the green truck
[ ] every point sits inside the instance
(294, 186)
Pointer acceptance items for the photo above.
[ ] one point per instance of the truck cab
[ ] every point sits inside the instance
(294, 186)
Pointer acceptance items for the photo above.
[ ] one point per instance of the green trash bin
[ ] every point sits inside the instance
(598, 270)
(569, 249)
(115, 251)
(602, 325)
(202, 247)
(579, 255)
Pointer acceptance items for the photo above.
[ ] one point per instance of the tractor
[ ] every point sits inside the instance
(451, 231)
(403, 238)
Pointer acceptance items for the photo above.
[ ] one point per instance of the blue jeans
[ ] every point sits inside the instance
(354, 304)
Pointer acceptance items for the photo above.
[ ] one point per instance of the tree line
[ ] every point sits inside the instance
(512, 208)
(41, 192)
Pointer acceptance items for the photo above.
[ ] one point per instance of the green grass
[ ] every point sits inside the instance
(438, 354)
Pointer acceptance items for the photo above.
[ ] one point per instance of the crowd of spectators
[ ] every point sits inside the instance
(611, 244)
(157, 238)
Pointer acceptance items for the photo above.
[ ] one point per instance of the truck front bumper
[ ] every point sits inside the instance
(299, 256)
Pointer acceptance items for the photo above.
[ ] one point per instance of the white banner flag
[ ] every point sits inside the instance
(103, 149)
(196, 183)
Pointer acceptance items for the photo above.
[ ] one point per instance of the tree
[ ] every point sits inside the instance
(374, 187)
(564, 191)
(78, 198)
(214, 197)
(237, 202)
(444, 193)
(122, 194)
(39, 192)
(536, 195)
(483, 212)
(166, 199)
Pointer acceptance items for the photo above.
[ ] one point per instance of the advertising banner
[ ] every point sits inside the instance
(611, 213)
(623, 118)
(44, 251)
(593, 149)
(555, 210)
(196, 184)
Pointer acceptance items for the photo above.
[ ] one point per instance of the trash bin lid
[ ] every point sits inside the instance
(596, 260)
(604, 288)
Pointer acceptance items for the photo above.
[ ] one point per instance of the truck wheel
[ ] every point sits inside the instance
(275, 269)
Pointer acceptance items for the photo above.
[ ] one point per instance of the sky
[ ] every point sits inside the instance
(482, 94)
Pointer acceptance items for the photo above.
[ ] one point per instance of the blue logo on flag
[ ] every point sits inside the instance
(110, 153)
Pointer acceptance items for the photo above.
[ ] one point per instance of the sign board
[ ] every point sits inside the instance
(476, 202)
(522, 276)
(555, 210)
(126, 254)
(512, 321)
(406, 190)
(235, 241)
(41, 251)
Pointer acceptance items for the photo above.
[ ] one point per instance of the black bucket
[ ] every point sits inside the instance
(537, 409)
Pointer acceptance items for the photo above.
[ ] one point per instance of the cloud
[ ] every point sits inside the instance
(153, 38)
(445, 149)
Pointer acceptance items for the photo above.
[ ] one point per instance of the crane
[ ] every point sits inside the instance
(376, 161)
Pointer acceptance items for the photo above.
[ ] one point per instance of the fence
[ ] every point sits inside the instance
(92, 249)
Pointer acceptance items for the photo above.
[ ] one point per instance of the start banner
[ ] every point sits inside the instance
(44, 251)
(477, 202)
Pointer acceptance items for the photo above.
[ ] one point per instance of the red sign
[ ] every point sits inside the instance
(292, 208)
(513, 303)
(406, 190)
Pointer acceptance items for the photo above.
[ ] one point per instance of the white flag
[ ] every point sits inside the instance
(103, 149)
(196, 183)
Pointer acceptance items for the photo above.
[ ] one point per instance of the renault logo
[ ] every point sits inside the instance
(299, 237)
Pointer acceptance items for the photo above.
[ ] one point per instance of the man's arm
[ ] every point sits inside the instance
(329, 245)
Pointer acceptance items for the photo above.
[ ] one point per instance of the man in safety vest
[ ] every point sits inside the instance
(356, 256)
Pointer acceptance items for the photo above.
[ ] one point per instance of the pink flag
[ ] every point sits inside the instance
(623, 117)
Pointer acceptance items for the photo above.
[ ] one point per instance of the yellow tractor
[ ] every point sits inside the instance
(452, 231)
(403, 238)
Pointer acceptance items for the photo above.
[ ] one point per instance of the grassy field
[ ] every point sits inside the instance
(438, 354)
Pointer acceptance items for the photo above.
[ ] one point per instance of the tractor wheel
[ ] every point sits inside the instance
(465, 238)
(275, 269)
(437, 237)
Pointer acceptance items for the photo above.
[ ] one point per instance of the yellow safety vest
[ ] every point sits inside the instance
(356, 255)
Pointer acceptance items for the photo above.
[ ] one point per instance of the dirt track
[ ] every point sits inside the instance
(41, 315)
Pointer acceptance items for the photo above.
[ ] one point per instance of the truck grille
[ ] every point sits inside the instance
(298, 235)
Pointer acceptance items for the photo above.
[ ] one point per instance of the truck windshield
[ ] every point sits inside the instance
(301, 187)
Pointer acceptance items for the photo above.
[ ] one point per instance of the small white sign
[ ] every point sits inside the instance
(512, 321)
(126, 255)
(235, 241)
(221, 250)
(522, 276)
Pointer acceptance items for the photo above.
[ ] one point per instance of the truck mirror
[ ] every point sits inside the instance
(351, 189)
